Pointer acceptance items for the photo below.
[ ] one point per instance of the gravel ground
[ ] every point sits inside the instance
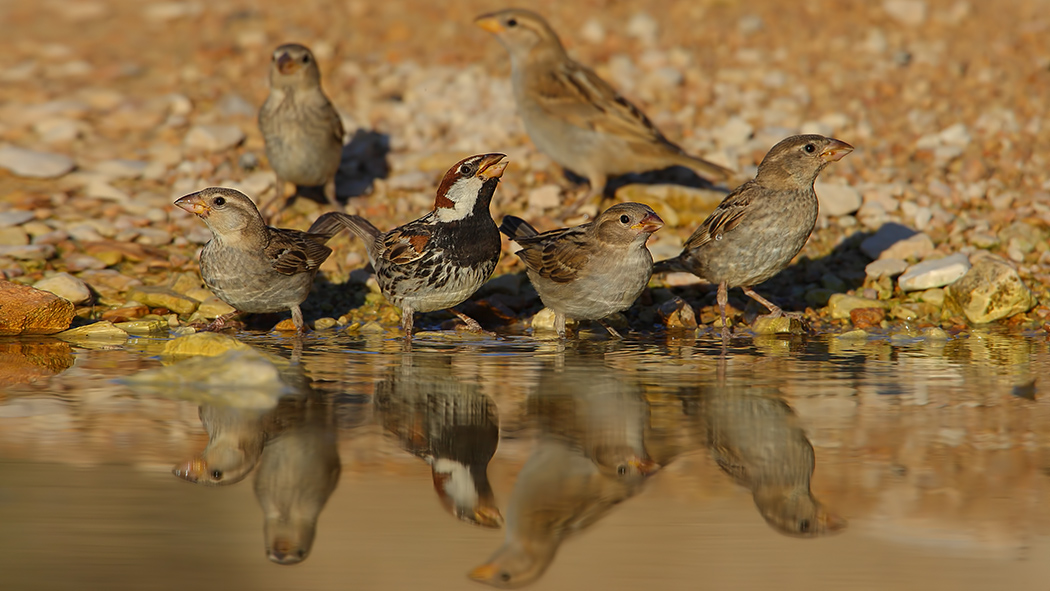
(109, 111)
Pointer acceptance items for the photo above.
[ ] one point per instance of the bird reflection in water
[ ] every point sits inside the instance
(588, 458)
(293, 445)
(755, 438)
(451, 425)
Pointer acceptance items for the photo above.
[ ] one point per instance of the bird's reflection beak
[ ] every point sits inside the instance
(831, 522)
(835, 151)
(488, 517)
(191, 470)
(485, 572)
(644, 465)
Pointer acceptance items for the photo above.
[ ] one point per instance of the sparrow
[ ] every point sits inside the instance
(297, 473)
(253, 267)
(592, 270)
(301, 128)
(451, 425)
(589, 458)
(235, 442)
(439, 260)
(755, 438)
(759, 227)
(575, 117)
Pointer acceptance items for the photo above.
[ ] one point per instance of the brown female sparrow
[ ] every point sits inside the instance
(574, 116)
(759, 227)
(301, 128)
(251, 266)
(439, 260)
(590, 271)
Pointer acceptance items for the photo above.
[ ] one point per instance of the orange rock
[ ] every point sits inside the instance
(26, 310)
(867, 317)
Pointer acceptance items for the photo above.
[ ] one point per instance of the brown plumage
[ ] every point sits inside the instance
(439, 260)
(301, 128)
(589, 271)
(574, 116)
(251, 266)
(759, 227)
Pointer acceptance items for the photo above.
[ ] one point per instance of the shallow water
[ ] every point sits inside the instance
(595, 464)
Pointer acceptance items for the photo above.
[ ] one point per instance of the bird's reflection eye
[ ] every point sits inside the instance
(621, 469)
(809, 148)
(504, 576)
(216, 474)
(306, 58)
(512, 22)
(803, 526)
(624, 219)
(219, 202)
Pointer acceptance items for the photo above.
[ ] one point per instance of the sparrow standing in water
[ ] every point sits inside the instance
(574, 116)
(439, 260)
(251, 266)
(302, 130)
(759, 227)
(590, 271)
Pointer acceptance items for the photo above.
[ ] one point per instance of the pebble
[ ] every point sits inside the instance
(122, 169)
(934, 273)
(885, 268)
(212, 308)
(837, 200)
(161, 297)
(29, 311)
(28, 252)
(543, 321)
(781, 325)
(677, 313)
(933, 296)
(545, 197)
(840, 305)
(33, 164)
(15, 218)
(210, 344)
(97, 331)
(213, 138)
(143, 327)
(911, 13)
(13, 236)
(867, 317)
(990, 290)
(325, 323)
(65, 286)
(886, 236)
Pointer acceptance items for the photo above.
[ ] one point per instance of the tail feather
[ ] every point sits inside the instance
(670, 266)
(514, 228)
(333, 222)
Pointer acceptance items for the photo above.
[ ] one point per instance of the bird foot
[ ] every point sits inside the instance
(473, 326)
(612, 331)
(221, 323)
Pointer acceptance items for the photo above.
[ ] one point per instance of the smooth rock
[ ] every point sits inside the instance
(837, 200)
(933, 296)
(27, 310)
(867, 317)
(122, 169)
(162, 297)
(781, 325)
(209, 344)
(911, 13)
(76, 262)
(543, 321)
(545, 197)
(15, 217)
(13, 236)
(213, 138)
(143, 327)
(65, 286)
(33, 164)
(885, 237)
(840, 305)
(885, 268)
(325, 323)
(98, 331)
(990, 290)
(28, 252)
(935, 273)
(677, 313)
(213, 307)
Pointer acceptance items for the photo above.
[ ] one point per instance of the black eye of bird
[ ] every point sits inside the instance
(504, 576)
(621, 469)
(466, 169)
(306, 59)
(624, 219)
(219, 201)
(809, 148)
(216, 474)
(803, 526)
(512, 22)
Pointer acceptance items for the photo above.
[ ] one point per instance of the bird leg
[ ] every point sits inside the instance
(559, 324)
(297, 320)
(278, 196)
(472, 325)
(406, 322)
(723, 299)
(611, 330)
(595, 193)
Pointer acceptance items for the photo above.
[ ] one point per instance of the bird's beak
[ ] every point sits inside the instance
(650, 223)
(644, 465)
(190, 470)
(285, 64)
(194, 204)
(488, 517)
(492, 167)
(835, 151)
(485, 572)
(489, 22)
(831, 522)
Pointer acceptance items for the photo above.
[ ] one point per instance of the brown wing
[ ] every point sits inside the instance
(576, 94)
(292, 251)
(405, 244)
(558, 255)
(726, 216)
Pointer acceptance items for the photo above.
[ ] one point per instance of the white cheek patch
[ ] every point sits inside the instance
(463, 194)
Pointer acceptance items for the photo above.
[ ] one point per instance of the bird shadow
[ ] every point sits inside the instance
(364, 160)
